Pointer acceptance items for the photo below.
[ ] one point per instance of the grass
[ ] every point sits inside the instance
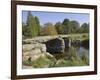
(27, 63)
(73, 59)
(43, 62)
(81, 36)
(70, 62)
(85, 59)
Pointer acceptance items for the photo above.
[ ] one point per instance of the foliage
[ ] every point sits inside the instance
(38, 25)
(74, 26)
(49, 29)
(66, 26)
(32, 27)
(25, 30)
(84, 28)
(59, 28)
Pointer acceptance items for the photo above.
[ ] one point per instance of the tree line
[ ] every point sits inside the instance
(32, 28)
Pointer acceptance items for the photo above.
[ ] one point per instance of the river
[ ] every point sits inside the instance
(78, 51)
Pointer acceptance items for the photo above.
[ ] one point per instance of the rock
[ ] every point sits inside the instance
(25, 58)
(40, 60)
(32, 57)
(43, 61)
(55, 45)
(35, 57)
(28, 47)
(67, 42)
(27, 42)
(76, 43)
(43, 47)
(35, 52)
(26, 53)
(26, 61)
(48, 55)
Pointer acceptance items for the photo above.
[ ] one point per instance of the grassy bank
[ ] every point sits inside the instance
(81, 36)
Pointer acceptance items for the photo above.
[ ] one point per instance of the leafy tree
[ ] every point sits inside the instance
(59, 28)
(25, 30)
(49, 29)
(32, 25)
(74, 26)
(38, 25)
(66, 26)
(84, 28)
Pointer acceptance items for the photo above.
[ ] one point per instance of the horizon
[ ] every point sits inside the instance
(54, 17)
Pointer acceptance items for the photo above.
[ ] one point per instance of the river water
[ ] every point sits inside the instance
(78, 51)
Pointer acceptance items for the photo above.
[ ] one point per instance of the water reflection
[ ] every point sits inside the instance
(76, 51)
(83, 50)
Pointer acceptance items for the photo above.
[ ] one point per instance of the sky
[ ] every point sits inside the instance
(54, 17)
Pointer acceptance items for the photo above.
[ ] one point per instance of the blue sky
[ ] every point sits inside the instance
(54, 17)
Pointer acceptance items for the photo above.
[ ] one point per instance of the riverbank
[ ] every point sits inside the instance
(37, 55)
(81, 36)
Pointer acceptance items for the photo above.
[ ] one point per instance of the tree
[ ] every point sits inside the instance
(74, 26)
(84, 28)
(66, 26)
(32, 25)
(49, 29)
(59, 28)
(38, 25)
(25, 30)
